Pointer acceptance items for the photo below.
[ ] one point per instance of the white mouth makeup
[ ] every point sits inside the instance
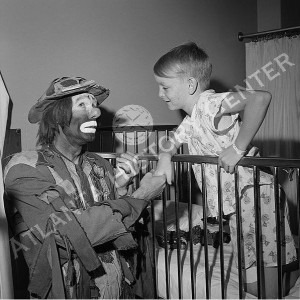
(88, 127)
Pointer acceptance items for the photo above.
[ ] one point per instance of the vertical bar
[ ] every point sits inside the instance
(239, 232)
(298, 209)
(100, 140)
(177, 231)
(151, 164)
(135, 146)
(156, 141)
(181, 187)
(166, 134)
(204, 203)
(135, 142)
(190, 211)
(220, 207)
(257, 231)
(113, 142)
(279, 224)
(153, 249)
(166, 248)
(168, 187)
(146, 142)
(124, 141)
(180, 149)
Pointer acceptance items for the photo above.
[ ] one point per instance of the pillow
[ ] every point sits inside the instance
(197, 215)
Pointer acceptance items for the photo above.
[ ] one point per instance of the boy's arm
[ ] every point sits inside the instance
(150, 187)
(164, 167)
(254, 106)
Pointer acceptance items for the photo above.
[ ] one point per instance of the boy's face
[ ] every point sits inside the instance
(174, 91)
(83, 124)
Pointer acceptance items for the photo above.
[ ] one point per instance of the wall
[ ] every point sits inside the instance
(284, 14)
(290, 11)
(268, 19)
(115, 42)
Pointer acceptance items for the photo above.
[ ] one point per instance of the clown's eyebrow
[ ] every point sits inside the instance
(82, 96)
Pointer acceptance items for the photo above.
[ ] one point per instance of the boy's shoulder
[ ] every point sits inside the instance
(212, 94)
(210, 98)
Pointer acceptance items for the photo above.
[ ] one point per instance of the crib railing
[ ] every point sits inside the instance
(136, 139)
(183, 186)
(256, 164)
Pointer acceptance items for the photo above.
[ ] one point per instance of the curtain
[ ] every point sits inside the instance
(6, 285)
(274, 65)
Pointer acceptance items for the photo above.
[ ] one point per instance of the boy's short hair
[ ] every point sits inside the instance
(185, 60)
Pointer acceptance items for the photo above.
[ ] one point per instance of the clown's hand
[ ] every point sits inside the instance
(126, 168)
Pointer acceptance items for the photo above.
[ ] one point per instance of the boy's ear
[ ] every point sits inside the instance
(193, 84)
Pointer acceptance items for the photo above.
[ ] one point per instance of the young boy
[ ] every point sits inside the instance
(222, 124)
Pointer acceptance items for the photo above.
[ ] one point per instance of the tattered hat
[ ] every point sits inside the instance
(63, 87)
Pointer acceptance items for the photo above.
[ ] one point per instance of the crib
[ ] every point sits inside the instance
(192, 254)
(183, 268)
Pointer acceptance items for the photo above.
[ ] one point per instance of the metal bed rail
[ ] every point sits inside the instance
(136, 139)
(182, 178)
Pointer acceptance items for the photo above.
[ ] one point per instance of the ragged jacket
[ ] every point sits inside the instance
(49, 218)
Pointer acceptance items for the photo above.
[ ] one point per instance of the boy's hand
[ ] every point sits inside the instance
(126, 168)
(228, 158)
(164, 167)
(150, 187)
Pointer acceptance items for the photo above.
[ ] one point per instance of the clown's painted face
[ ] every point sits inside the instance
(83, 124)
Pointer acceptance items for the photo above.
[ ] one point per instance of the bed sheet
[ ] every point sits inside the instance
(231, 274)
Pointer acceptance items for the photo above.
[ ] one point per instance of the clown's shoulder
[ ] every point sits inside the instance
(29, 157)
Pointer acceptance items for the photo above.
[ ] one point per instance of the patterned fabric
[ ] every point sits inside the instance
(45, 190)
(63, 87)
(109, 285)
(203, 138)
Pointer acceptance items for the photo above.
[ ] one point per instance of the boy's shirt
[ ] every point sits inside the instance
(203, 138)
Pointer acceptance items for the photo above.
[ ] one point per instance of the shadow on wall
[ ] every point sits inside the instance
(278, 148)
(12, 141)
(287, 177)
(10, 105)
(218, 86)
